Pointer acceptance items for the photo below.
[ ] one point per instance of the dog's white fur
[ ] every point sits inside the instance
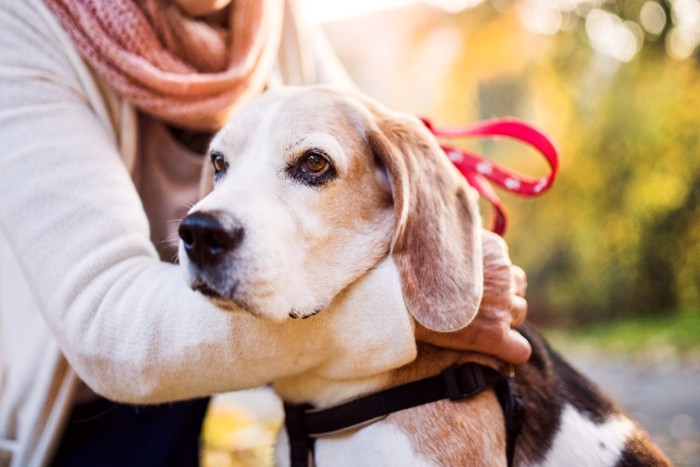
(387, 212)
(601, 443)
(380, 444)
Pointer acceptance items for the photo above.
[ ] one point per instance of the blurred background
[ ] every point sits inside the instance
(612, 251)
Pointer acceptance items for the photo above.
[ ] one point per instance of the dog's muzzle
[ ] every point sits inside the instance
(209, 235)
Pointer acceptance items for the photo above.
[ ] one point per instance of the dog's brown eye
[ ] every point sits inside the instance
(312, 168)
(314, 164)
(219, 163)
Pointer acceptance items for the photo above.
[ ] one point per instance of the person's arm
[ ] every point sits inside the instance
(125, 321)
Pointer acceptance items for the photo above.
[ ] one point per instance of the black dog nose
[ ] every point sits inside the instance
(207, 235)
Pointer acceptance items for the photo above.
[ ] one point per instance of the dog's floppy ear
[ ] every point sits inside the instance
(437, 243)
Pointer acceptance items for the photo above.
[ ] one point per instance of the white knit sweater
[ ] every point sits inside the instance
(82, 290)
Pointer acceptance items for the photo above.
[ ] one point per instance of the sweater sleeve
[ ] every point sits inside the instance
(125, 321)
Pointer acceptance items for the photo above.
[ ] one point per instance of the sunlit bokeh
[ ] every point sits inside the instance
(609, 33)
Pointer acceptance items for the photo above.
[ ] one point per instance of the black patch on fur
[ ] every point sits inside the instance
(540, 391)
(546, 383)
(583, 394)
(628, 460)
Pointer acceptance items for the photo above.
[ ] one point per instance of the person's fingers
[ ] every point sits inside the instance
(502, 308)
(515, 349)
(518, 311)
(519, 280)
(492, 337)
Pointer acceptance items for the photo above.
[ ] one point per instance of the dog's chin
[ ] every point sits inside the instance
(207, 290)
(232, 297)
(239, 305)
(263, 312)
(297, 314)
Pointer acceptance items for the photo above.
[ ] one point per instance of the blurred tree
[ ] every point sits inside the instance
(619, 235)
(628, 243)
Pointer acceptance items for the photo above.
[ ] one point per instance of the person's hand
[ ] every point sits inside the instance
(503, 307)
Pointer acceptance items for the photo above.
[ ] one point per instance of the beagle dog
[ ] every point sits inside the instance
(315, 188)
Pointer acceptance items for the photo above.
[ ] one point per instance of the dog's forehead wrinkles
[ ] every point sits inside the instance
(246, 128)
(318, 119)
(315, 110)
(330, 145)
(230, 141)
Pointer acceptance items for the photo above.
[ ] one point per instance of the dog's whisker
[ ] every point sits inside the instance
(169, 238)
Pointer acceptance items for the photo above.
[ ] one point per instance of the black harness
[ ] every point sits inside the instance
(304, 423)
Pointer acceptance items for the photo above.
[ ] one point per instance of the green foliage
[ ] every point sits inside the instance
(630, 186)
(619, 234)
(636, 336)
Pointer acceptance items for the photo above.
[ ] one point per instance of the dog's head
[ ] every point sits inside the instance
(312, 188)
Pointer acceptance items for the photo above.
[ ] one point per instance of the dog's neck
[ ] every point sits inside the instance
(369, 368)
(321, 390)
(373, 304)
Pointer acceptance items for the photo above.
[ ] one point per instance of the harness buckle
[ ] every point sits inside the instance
(463, 380)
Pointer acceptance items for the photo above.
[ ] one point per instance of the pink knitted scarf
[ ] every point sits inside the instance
(186, 71)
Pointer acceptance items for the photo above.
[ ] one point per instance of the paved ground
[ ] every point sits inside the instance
(661, 391)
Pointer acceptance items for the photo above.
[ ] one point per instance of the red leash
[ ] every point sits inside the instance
(479, 170)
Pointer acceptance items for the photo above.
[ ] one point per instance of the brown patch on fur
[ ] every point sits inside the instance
(355, 205)
(469, 432)
(465, 433)
(361, 197)
(641, 451)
